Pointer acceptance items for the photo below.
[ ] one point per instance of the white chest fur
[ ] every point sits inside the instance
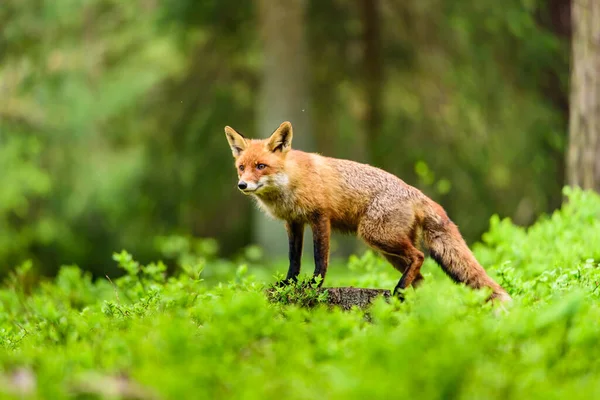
(279, 200)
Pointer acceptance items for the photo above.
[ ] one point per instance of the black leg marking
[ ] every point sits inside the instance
(295, 235)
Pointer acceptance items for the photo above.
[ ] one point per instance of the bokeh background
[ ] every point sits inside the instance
(112, 114)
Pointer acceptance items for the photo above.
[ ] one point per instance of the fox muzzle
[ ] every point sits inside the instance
(248, 187)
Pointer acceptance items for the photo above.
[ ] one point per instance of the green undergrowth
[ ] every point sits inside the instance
(149, 334)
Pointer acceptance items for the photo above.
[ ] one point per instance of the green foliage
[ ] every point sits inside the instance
(148, 334)
(111, 116)
(472, 106)
(304, 292)
(553, 256)
(71, 122)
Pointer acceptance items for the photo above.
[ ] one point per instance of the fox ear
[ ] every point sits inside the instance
(236, 141)
(281, 139)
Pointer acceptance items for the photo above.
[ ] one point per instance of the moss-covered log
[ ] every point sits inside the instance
(343, 297)
(346, 297)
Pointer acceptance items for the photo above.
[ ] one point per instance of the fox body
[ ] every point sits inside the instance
(328, 194)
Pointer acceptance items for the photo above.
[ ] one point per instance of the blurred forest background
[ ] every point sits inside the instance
(112, 113)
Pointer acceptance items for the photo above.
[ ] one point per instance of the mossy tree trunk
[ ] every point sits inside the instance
(583, 159)
(373, 77)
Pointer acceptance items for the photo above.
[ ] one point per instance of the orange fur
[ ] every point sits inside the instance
(391, 216)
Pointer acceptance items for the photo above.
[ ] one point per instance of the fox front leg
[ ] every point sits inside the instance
(321, 227)
(295, 232)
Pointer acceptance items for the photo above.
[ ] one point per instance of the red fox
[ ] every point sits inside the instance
(328, 194)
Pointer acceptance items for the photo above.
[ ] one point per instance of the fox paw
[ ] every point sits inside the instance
(284, 282)
(398, 293)
(316, 280)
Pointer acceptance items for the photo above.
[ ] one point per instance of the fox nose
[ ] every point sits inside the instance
(242, 185)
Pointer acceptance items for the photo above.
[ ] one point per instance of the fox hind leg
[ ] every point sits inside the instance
(399, 251)
(401, 264)
(413, 270)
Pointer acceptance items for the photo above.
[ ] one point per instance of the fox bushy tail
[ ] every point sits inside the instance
(449, 250)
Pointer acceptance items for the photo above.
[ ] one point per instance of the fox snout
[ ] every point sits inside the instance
(248, 187)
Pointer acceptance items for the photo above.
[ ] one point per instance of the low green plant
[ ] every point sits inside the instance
(153, 334)
(305, 292)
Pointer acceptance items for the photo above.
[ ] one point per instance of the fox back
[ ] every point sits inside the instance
(292, 184)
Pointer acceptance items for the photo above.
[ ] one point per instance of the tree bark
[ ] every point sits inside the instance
(283, 96)
(373, 77)
(583, 159)
(556, 17)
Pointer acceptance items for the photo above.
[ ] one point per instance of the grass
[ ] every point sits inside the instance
(148, 334)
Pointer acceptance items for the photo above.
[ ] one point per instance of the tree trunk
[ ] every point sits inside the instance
(283, 96)
(556, 17)
(373, 78)
(583, 162)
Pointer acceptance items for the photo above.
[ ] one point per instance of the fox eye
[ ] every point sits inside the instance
(261, 166)
(241, 167)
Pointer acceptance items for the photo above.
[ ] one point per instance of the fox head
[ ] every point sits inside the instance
(260, 163)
